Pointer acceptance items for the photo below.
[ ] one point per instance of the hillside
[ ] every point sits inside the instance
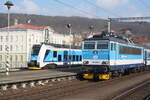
(79, 24)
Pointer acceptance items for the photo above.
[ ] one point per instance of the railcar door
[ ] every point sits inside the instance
(65, 61)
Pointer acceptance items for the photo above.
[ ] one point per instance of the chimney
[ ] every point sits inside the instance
(16, 22)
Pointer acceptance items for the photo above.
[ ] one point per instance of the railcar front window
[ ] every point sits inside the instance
(102, 45)
(35, 50)
(89, 45)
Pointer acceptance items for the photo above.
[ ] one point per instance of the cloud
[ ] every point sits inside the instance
(111, 4)
(29, 6)
(16, 9)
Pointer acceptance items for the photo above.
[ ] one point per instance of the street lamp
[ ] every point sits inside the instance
(9, 4)
(69, 26)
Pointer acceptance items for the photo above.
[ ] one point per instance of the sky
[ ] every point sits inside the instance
(83, 8)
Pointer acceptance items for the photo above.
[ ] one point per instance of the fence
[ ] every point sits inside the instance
(13, 65)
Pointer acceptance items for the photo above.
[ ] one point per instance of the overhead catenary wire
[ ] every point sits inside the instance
(145, 4)
(101, 8)
(70, 6)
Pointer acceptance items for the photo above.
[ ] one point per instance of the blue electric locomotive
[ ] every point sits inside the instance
(105, 56)
(48, 56)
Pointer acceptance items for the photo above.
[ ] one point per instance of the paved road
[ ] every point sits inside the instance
(35, 74)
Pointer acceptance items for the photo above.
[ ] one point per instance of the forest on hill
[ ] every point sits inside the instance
(79, 24)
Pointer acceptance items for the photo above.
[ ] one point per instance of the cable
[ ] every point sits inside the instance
(102, 8)
(70, 6)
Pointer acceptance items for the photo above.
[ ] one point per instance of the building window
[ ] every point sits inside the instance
(7, 39)
(21, 58)
(11, 48)
(16, 38)
(11, 58)
(16, 47)
(1, 47)
(21, 47)
(16, 58)
(0, 57)
(1, 38)
(11, 38)
(6, 47)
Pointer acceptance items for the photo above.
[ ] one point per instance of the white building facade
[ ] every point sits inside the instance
(20, 40)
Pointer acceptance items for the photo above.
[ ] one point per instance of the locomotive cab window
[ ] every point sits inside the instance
(101, 45)
(113, 46)
(89, 45)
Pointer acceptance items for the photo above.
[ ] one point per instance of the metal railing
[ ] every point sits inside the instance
(13, 65)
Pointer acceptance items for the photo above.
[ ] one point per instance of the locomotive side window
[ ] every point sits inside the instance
(89, 45)
(55, 54)
(102, 45)
(129, 50)
(112, 46)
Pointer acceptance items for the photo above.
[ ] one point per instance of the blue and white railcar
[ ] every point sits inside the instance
(47, 56)
(104, 55)
(147, 57)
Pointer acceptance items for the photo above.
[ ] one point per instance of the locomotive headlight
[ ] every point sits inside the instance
(105, 63)
(85, 62)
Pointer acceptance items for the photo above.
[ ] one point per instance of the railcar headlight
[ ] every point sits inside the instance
(38, 64)
(85, 62)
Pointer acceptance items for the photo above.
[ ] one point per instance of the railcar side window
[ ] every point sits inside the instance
(89, 45)
(77, 58)
(129, 50)
(102, 45)
(74, 58)
(59, 57)
(46, 53)
(80, 59)
(55, 54)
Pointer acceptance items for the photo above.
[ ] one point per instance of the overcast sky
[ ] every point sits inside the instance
(84, 8)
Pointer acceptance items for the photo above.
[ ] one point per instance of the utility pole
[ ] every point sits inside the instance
(69, 26)
(109, 25)
(9, 4)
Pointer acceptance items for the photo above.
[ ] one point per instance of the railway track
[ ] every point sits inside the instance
(57, 90)
(134, 93)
